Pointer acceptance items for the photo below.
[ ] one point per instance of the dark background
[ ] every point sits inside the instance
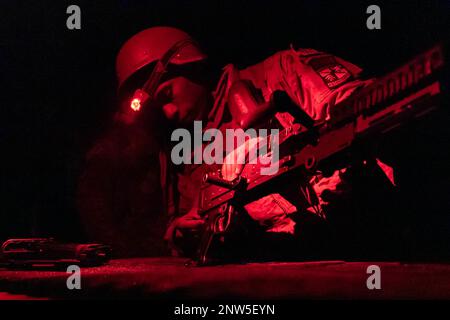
(58, 88)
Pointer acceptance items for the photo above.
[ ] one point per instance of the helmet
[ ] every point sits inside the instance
(151, 45)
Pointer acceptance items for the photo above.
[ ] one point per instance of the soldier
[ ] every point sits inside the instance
(179, 87)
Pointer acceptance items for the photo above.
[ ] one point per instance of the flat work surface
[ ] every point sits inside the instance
(169, 278)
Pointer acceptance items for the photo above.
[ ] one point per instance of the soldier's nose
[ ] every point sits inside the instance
(170, 111)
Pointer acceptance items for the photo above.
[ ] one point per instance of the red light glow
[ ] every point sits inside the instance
(136, 104)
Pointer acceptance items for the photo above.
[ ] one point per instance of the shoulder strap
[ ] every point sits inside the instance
(215, 116)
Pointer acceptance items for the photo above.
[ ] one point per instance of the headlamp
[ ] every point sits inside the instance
(147, 92)
(139, 99)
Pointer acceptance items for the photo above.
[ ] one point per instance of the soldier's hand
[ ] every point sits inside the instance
(189, 222)
(234, 162)
(180, 232)
(231, 171)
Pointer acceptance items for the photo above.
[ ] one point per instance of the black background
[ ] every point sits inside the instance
(58, 85)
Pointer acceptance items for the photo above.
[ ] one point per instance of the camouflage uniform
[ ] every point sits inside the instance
(316, 82)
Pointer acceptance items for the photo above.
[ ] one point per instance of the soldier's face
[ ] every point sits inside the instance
(182, 101)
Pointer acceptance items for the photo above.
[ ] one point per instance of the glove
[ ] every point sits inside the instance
(183, 230)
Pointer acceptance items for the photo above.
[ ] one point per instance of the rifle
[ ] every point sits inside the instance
(399, 97)
(47, 252)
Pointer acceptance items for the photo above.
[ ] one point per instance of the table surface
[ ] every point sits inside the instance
(161, 278)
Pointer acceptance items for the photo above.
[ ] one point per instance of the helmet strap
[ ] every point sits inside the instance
(147, 92)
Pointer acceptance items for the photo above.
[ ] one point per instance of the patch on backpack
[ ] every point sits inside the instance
(332, 72)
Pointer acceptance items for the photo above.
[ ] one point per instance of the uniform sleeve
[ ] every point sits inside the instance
(314, 80)
(95, 193)
(115, 192)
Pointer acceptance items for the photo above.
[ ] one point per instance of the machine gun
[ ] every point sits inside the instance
(395, 99)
